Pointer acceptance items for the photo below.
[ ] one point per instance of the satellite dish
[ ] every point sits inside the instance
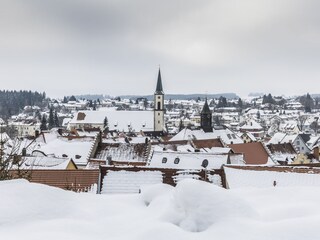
(205, 163)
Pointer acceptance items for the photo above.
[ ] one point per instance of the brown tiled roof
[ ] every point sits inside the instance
(81, 116)
(284, 148)
(124, 163)
(210, 143)
(75, 180)
(206, 143)
(254, 153)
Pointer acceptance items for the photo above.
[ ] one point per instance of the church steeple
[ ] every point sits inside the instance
(206, 108)
(159, 89)
(159, 107)
(206, 118)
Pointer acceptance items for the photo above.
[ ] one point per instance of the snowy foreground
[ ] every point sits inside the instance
(192, 210)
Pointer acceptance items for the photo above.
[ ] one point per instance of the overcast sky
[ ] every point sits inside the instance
(114, 47)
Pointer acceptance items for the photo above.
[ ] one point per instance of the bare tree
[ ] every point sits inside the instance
(314, 125)
(301, 121)
(11, 161)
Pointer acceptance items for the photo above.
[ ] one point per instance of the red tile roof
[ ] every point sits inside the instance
(254, 153)
(75, 180)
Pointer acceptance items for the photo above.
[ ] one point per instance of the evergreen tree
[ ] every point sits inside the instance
(308, 103)
(258, 115)
(72, 98)
(43, 125)
(181, 125)
(222, 102)
(240, 104)
(65, 99)
(38, 115)
(145, 103)
(106, 124)
(56, 119)
(268, 99)
(51, 119)
(90, 104)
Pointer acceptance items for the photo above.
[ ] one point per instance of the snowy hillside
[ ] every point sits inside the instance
(192, 210)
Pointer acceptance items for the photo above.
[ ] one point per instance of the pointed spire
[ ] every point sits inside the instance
(206, 108)
(159, 89)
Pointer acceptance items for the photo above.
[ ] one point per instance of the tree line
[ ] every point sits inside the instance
(12, 102)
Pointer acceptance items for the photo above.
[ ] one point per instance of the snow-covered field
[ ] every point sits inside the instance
(192, 210)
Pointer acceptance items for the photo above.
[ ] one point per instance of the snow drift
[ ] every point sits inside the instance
(192, 210)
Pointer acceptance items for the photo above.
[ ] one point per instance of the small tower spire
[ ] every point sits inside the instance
(159, 89)
(206, 108)
(206, 118)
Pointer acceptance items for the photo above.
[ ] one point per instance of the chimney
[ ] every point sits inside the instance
(109, 160)
(24, 152)
(316, 153)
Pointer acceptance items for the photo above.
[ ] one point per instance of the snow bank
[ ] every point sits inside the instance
(193, 210)
(21, 201)
(151, 192)
(197, 205)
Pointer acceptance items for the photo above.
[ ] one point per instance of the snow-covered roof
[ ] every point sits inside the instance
(51, 143)
(188, 134)
(251, 125)
(314, 141)
(183, 160)
(239, 178)
(4, 137)
(250, 135)
(44, 162)
(66, 121)
(226, 135)
(117, 120)
(277, 138)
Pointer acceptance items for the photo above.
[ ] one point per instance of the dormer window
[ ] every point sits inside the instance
(164, 160)
(176, 160)
(205, 163)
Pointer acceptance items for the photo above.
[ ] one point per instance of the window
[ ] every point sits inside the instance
(158, 114)
(298, 142)
(164, 160)
(158, 97)
(159, 122)
(176, 160)
(159, 106)
(205, 163)
(302, 148)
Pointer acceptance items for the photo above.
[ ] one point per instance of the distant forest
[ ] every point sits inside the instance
(185, 96)
(12, 102)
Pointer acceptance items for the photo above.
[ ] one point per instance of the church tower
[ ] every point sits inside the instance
(206, 118)
(159, 106)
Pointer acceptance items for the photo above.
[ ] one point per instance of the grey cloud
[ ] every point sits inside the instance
(214, 46)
